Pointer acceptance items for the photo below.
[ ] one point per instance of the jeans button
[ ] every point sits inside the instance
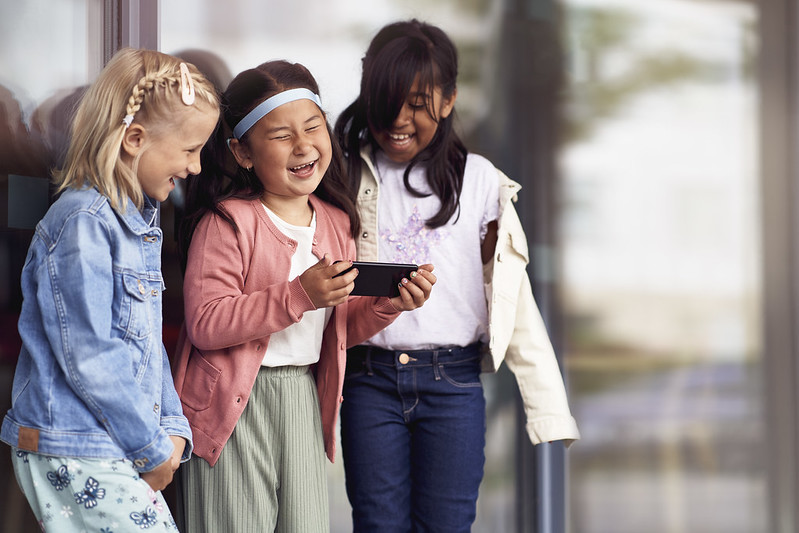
(404, 358)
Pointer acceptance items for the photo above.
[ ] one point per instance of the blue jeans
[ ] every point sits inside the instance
(413, 438)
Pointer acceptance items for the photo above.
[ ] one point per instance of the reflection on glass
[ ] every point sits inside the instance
(49, 50)
(660, 249)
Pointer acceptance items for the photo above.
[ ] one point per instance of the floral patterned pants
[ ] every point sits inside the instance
(70, 494)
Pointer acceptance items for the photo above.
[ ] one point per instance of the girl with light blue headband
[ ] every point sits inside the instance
(260, 366)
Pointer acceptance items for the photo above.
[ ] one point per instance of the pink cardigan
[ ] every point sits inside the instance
(236, 294)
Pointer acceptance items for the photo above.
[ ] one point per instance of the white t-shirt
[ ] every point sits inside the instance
(300, 343)
(456, 313)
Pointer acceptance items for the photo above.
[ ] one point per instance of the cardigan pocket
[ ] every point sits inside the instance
(200, 382)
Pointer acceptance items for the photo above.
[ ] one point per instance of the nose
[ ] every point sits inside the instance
(404, 116)
(302, 145)
(194, 164)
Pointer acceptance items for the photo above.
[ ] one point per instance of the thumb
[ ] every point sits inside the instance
(324, 262)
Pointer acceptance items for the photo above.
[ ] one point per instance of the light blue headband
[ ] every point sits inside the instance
(262, 109)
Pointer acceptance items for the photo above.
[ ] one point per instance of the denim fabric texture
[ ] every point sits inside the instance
(93, 377)
(413, 432)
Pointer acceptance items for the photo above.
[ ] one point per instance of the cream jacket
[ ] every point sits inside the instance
(518, 335)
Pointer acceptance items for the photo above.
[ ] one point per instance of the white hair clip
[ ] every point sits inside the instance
(127, 121)
(186, 85)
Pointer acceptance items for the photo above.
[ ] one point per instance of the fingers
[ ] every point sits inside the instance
(180, 444)
(415, 291)
(426, 271)
(328, 283)
(159, 477)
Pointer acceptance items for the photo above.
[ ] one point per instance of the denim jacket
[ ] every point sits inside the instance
(93, 377)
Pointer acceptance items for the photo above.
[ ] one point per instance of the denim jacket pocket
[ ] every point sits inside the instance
(200, 382)
(133, 319)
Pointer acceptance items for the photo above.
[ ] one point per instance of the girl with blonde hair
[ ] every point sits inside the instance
(96, 427)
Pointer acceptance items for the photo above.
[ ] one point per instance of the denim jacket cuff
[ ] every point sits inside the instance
(178, 426)
(152, 455)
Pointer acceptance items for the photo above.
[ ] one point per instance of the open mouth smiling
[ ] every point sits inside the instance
(400, 140)
(305, 169)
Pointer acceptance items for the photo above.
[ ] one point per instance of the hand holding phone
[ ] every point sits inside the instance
(379, 279)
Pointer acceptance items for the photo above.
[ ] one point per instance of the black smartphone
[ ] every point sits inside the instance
(379, 279)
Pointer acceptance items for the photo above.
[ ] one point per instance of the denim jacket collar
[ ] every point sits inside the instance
(140, 221)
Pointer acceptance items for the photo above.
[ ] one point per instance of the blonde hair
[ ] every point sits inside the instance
(142, 84)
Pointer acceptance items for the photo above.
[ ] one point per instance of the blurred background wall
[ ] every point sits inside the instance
(655, 143)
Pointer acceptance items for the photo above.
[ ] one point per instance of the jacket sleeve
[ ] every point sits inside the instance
(366, 316)
(532, 360)
(526, 346)
(172, 419)
(82, 319)
(219, 314)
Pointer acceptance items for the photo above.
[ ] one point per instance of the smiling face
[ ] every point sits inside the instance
(289, 150)
(169, 153)
(414, 127)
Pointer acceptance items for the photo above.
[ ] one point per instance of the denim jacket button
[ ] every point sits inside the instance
(141, 287)
(140, 463)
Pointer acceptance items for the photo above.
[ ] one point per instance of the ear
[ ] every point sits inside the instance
(447, 104)
(240, 152)
(134, 139)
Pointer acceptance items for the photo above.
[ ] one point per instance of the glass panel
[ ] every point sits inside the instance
(226, 38)
(660, 255)
(50, 50)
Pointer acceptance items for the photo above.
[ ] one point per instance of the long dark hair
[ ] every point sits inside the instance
(222, 178)
(397, 54)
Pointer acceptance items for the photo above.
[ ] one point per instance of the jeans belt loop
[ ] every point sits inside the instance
(368, 361)
(436, 371)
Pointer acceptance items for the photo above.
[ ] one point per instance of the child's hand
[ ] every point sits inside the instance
(325, 290)
(180, 445)
(415, 291)
(159, 477)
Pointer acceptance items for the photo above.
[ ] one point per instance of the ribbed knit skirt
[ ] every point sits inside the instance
(271, 473)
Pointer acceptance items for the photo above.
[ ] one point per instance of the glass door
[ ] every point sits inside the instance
(660, 253)
(50, 51)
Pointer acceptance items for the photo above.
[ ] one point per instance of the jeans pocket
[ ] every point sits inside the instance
(356, 367)
(462, 373)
